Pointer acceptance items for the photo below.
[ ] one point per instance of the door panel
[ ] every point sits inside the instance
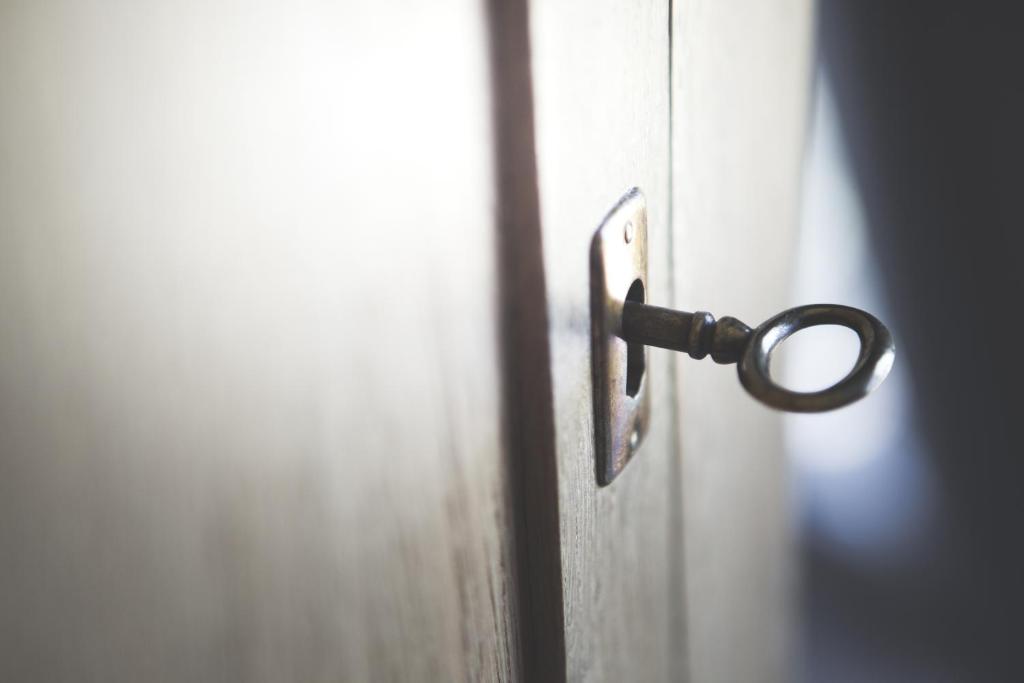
(739, 88)
(679, 568)
(251, 425)
(600, 73)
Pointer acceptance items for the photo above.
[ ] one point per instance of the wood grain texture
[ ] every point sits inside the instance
(600, 73)
(250, 416)
(740, 80)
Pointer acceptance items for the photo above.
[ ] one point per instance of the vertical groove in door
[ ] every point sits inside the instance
(526, 364)
(677, 589)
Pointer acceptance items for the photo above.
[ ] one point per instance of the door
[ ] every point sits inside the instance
(251, 426)
(295, 375)
(739, 100)
(680, 568)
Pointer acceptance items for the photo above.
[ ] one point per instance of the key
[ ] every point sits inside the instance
(730, 341)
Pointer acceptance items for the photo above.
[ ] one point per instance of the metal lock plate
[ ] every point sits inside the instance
(618, 272)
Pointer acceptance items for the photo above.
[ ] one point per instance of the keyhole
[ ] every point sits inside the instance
(635, 360)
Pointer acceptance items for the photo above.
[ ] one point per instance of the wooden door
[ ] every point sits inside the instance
(741, 72)
(294, 339)
(601, 88)
(680, 568)
(251, 423)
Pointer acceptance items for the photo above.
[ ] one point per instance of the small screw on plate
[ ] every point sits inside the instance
(634, 440)
(629, 231)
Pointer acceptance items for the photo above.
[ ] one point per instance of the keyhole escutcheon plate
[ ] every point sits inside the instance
(618, 272)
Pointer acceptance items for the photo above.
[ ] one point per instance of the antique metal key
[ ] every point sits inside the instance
(730, 341)
(623, 325)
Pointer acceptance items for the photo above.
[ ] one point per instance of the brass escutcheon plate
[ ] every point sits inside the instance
(618, 271)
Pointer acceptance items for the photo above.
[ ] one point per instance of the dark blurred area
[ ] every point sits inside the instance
(930, 104)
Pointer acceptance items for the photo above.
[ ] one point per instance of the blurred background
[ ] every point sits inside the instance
(908, 505)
